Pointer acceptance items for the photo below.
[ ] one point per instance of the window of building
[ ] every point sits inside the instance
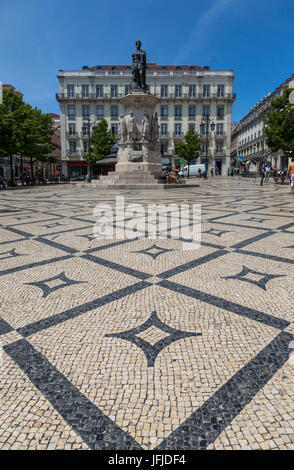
(71, 128)
(178, 129)
(220, 112)
(99, 91)
(85, 91)
(85, 146)
(114, 129)
(71, 111)
(206, 91)
(178, 111)
(219, 146)
(100, 111)
(219, 129)
(113, 90)
(164, 112)
(114, 111)
(178, 91)
(220, 91)
(164, 147)
(192, 111)
(70, 90)
(163, 91)
(163, 129)
(192, 91)
(205, 110)
(204, 129)
(85, 110)
(72, 146)
(85, 129)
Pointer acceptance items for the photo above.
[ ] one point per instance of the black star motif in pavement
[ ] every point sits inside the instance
(89, 237)
(56, 224)
(265, 278)
(48, 290)
(151, 351)
(255, 219)
(11, 254)
(153, 251)
(216, 233)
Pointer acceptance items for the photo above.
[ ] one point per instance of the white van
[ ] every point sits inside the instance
(193, 170)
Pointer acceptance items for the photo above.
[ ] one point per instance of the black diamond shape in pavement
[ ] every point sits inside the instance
(11, 254)
(48, 290)
(159, 251)
(89, 237)
(56, 224)
(217, 233)
(265, 278)
(151, 351)
(255, 219)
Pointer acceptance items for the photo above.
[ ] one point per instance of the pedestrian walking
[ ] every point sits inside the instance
(290, 172)
(2, 184)
(211, 172)
(262, 175)
(267, 174)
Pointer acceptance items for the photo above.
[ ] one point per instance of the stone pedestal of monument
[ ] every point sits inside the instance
(139, 159)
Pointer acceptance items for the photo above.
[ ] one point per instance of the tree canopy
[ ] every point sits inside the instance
(101, 142)
(24, 130)
(190, 148)
(279, 124)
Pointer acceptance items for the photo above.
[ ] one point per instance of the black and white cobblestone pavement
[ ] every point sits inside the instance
(137, 344)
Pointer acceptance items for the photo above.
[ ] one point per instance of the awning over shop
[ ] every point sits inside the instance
(106, 161)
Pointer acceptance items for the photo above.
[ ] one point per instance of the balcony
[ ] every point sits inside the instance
(178, 135)
(72, 135)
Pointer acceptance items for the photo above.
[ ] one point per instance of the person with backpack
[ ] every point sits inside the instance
(262, 174)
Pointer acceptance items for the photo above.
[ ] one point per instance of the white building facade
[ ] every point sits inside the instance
(248, 137)
(188, 96)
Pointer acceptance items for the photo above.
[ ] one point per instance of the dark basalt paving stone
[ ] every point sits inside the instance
(45, 323)
(218, 412)
(65, 282)
(94, 427)
(59, 246)
(11, 254)
(33, 265)
(265, 278)
(5, 327)
(151, 351)
(148, 251)
(250, 313)
(217, 233)
(116, 266)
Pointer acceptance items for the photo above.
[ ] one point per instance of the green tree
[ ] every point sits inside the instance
(190, 148)
(24, 131)
(279, 124)
(12, 114)
(34, 136)
(101, 142)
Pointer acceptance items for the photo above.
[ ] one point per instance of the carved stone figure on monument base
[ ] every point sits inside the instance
(145, 127)
(122, 128)
(155, 128)
(131, 127)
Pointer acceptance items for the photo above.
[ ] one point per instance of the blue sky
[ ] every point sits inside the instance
(255, 38)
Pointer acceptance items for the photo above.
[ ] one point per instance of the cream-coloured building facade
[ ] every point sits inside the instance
(188, 96)
(248, 136)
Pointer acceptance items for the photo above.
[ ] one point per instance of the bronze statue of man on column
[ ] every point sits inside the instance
(139, 68)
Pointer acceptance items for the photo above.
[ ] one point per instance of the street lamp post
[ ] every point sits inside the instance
(202, 127)
(87, 125)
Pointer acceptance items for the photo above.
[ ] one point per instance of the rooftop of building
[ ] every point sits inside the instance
(8, 85)
(268, 97)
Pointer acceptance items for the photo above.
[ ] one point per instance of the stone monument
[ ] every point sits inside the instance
(138, 157)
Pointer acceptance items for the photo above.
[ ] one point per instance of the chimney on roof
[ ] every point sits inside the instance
(85, 67)
(206, 67)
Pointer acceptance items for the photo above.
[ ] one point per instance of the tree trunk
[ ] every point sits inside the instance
(32, 171)
(11, 181)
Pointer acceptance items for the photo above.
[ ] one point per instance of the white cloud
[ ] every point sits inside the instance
(203, 28)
